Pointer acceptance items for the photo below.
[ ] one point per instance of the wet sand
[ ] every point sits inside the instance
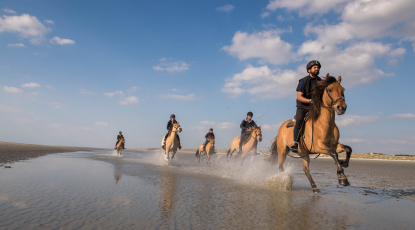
(12, 152)
(98, 189)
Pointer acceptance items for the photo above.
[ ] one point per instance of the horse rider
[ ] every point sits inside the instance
(246, 123)
(169, 128)
(208, 135)
(118, 140)
(304, 94)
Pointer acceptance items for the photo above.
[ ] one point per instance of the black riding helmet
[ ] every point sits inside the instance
(313, 63)
(172, 116)
(210, 129)
(250, 114)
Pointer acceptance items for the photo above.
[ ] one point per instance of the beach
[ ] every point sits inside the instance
(98, 189)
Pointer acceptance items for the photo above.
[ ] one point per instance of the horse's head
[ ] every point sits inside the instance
(333, 97)
(211, 140)
(257, 133)
(176, 127)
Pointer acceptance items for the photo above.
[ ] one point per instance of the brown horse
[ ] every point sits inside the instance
(120, 145)
(255, 135)
(172, 143)
(321, 134)
(210, 149)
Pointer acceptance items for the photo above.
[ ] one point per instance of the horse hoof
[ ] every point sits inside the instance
(343, 163)
(344, 182)
(316, 190)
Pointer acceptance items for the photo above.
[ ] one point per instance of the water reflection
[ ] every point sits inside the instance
(117, 173)
(166, 194)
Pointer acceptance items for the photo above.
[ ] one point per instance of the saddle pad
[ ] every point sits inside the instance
(291, 123)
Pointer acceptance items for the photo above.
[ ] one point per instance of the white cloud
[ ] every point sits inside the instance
(262, 81)
(226, 8)
(30, 85)
(177, 66)
(393, 141)
(354, 120)
(272, 127)
(114, 93)
(12, 89)
(62, 41)
(16, 45)
(132, 89)
(207, 123)
(25, 25)
(56, 105)
(180, 97)
(25, 119)
(175, 90)
(226, 125)
(49, 87)
(307, 7)
(265, 45)
(351, 140)
(101, 123)
(128, 100)
(10, 11)
(397, 52)
(405, 115)
(10, 109)
(49, 22)
(265, 14)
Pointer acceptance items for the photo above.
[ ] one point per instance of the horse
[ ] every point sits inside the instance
(321, 134)
(210, 149)
(172, 143)
(254, 135)
(120, 146)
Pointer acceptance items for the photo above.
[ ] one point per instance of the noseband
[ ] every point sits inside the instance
(333, 102)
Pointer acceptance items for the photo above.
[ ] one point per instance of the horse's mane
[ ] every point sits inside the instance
(317, 97)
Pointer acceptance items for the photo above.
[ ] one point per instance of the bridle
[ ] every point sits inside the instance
(333, 102)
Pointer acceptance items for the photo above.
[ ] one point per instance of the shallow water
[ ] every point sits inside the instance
(99, 190)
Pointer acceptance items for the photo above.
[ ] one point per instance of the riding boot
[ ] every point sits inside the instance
(164, 143)
(178, 138)
(294, 147)
(240, 144)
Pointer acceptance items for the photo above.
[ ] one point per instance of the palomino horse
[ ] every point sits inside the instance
(172, 143)
(210, 149)
(321, 134)
(120, 146)
(255, 135)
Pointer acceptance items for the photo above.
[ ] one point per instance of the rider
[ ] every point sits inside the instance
(118, 140)
(247, 123)
(169, 128)
(304, 94)
(209, 134)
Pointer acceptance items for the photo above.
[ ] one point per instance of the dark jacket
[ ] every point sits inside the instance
(119, 137)
(211, 135)
(307, 91)
(245, 125)
(170, 125)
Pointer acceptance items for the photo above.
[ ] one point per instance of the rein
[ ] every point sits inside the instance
(333, 102)
(305, 146)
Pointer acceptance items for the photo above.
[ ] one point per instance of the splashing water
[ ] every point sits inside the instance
(282, 181)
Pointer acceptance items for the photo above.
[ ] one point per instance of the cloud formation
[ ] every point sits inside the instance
(405, 115)
(180, 97)
(62, 41)
(354, 120)
(25, 25)
(114, 93)
(49, 22)
(128, 100)
(30, 85)
(226, 8)
(9, 11)
(177, 66)
(16, 45)
(101, 123)
(12, 89)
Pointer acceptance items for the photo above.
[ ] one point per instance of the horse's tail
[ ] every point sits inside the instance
(274, 152)
(197, 153)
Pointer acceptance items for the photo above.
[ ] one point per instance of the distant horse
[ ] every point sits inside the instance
(120, 146)
(210, 149)
(172, 143)
(321, 134)
(249, 145)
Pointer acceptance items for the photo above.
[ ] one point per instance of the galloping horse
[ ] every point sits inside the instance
(172, 143)
(249, 145)
(210, 149)
(120, 146)
(321, 134)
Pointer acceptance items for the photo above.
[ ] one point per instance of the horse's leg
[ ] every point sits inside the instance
(282, 150)
(344, 148)
(340, 173)
(306, 168)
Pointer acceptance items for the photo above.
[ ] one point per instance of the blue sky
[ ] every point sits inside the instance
(75, 73)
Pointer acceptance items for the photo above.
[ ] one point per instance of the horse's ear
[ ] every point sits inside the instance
(259, 126)
(339, 79)
(328, 75)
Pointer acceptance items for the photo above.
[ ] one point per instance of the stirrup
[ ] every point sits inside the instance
(293, 149)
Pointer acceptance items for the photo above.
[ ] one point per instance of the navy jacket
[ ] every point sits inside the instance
(170, 125)
(245, 125)
(210, 134)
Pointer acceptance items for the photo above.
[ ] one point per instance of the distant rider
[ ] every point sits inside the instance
(304, 94)
(247, 123)
(208, 135)
(118, 140)
(169, 128)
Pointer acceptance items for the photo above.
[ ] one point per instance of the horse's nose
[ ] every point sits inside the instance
(339, 107)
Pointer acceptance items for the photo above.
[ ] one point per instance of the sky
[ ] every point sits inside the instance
(74, 73)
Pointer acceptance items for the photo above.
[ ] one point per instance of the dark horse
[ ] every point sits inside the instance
(321, 134)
